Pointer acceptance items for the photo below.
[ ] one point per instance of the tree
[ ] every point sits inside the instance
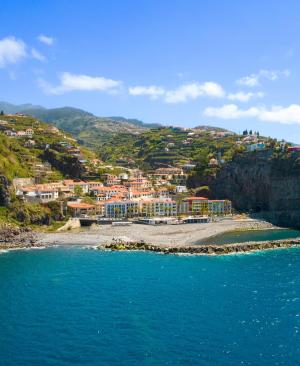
(78, 191)
(1, 113)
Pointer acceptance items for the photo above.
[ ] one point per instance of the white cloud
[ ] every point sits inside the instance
(46, 39)
(255, 79)
(251, 80)
(244, 97)
(285, 115)
(181, 94)
(152, 91)
(37, 55)
(194, 90)
(71, 82)
(12, 50)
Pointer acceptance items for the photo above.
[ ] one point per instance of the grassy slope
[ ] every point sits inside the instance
(16, 160)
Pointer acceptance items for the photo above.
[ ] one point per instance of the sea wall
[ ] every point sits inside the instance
(201, 249)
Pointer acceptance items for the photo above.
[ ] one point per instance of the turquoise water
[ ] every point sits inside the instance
(70, 306)
(252, 235)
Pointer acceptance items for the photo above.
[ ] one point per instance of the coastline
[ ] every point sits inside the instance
(165, 239)
(163, 236)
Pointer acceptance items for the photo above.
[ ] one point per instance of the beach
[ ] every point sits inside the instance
(160, 235)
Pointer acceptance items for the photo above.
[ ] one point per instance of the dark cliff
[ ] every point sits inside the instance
(264, 184)
(4, 191)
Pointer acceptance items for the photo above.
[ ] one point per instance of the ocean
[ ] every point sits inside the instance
(72, 306)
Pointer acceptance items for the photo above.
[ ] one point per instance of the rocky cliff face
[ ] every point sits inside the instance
(262, 184)
(4, 191)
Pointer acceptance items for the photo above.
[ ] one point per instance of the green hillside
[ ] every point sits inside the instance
(88, 129)
(170, 146)
(47, 153)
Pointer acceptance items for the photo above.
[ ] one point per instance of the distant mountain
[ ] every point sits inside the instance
(12, 108)
(89, 129)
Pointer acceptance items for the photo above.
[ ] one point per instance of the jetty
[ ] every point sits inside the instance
(120, 245)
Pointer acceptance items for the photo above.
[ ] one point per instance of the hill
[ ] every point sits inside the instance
(170, 146)
(31, 148)
(87, 128)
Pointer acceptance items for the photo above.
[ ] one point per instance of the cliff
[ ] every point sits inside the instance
(263, 184)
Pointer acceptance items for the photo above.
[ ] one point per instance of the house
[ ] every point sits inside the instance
(29, 132)
(29, 143)
(181, 189)
(78, 209)
(123, 176)
(108, 192)
(10, 133)
(46, 193)
(71, 184)
(38, 192)
(94, 184)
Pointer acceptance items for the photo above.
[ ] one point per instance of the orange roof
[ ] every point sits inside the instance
(196, 199)
(80, 205)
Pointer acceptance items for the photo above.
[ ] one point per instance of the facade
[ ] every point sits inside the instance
(204, 206)
(158, 207)
(119, 209)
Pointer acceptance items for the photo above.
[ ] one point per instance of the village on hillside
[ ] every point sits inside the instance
(97, 191)
(130, 195)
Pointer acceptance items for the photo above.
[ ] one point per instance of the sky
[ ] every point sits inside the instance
(232, 64)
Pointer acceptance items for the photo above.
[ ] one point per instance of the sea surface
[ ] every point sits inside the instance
(72, 306)
(252, 235)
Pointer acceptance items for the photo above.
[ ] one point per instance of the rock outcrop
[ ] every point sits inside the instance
(262, 184)
(16, 237)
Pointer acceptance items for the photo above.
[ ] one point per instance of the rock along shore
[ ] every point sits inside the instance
(118, 245)
(13, 237)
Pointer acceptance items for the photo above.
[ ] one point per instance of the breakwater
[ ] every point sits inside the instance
(119, 245)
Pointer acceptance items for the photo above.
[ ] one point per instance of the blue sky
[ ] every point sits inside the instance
(232, 64)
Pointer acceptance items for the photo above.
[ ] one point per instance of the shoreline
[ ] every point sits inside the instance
(166, 239)
(162, 235)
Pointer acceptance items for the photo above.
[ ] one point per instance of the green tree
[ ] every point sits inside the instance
(78, 191)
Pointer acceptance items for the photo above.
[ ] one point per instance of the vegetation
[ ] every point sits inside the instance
(25, 156)
(168, 146)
